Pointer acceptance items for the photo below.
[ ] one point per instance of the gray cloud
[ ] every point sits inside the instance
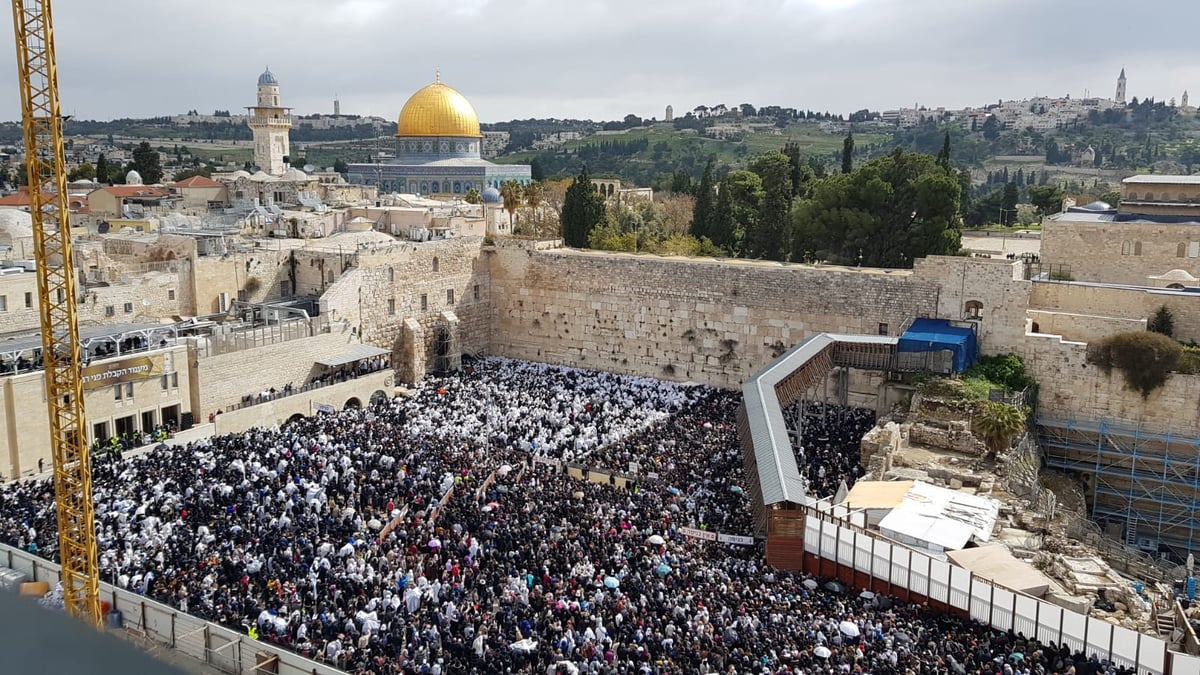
(602, 59)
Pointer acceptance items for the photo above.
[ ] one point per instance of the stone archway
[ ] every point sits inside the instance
(294, 418)
(352, 403)
(378, 397)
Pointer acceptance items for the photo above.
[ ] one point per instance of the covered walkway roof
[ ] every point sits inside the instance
(356, 353)
(777, 477)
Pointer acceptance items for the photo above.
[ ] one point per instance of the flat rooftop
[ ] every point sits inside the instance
(1156, 179)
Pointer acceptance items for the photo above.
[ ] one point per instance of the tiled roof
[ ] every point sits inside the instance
(197, 182)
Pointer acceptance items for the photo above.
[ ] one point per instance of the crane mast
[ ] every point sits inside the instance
(45, 159)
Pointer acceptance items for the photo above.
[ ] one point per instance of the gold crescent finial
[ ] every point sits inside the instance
(437, 75)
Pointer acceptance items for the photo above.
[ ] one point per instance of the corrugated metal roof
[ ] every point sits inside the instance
(356, 353)
(778, 476)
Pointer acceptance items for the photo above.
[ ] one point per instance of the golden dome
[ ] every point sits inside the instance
(438, 110)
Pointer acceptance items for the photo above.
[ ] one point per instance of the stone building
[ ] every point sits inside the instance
(1151, 233)
(438, 150)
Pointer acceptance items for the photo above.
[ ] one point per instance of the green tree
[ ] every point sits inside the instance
(997, 424)
(102, 169)
(681, 182)
(339, 165)
(723, 225)
(1047, 198)
(536, 172)
(1163, 321)
(800, 170)
(991, 128)
(943, 158)
(473, 196)
(84, 171)
(582, 210)
(1012, 194)
(511, 195)
(185, 174)
(769, 237)
(705, 198)
(890, 211)
(146, 162)
(848, 153)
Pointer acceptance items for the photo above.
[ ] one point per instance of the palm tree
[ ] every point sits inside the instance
(511, 193)
(997, 424)
(473, 196)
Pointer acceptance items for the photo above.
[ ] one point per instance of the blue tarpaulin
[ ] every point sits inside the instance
(931, 335)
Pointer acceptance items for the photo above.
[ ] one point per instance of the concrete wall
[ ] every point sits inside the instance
(1080, 327)
(708, 321)
(1120, 302)
(226, 378)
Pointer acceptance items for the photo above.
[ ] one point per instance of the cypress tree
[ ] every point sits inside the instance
(583, 209)
(943, 158)
(702, 212)
(848, 153)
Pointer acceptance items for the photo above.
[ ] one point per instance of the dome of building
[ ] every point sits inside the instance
(1097, 206)
(491, 196)
(133, 177)
(267, 78)
(438, 110)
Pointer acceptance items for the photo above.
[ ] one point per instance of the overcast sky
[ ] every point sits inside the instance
(602, 59)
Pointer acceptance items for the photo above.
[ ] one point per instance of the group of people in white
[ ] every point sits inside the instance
(419, 535)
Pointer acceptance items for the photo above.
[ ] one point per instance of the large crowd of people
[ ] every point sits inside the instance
(420, 535)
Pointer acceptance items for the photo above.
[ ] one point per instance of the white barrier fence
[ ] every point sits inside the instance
(853, 548)
(218, 646)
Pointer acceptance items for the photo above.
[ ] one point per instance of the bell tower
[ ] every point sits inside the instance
(270, 123)
(1121, 87)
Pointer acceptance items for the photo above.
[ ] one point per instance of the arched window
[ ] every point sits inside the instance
(1149, 196)
(973, 309)
(1126, 247)
(1178, 287)
(1137, 248)
(1181, 249)
(436, 264)
(391, 274)
(1133, 196)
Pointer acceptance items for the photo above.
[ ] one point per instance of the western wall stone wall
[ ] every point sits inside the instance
(414, 292)
(709, 321)
(1070, 388)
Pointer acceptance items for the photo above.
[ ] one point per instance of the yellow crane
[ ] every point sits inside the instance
(45, 159)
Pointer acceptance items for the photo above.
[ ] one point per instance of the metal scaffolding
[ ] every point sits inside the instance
(1145, 482)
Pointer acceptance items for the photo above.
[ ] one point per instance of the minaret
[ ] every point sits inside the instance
(1121, 88)
(337, 106)
(1185, 99)
(670, 114)
(270, 123)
